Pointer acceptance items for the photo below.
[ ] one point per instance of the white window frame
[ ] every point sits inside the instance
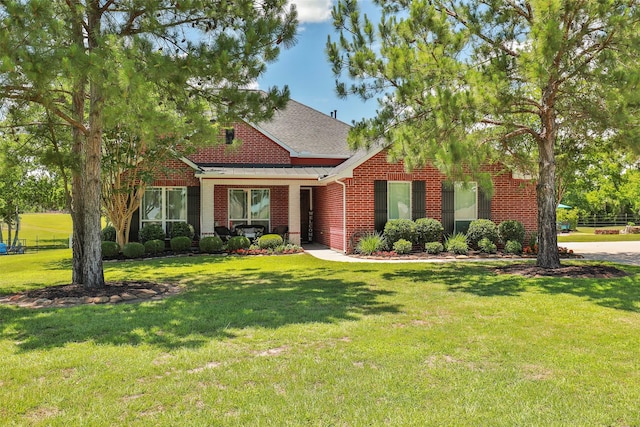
(164, 220)
(409, 205)
(232, 222)
(461, 186)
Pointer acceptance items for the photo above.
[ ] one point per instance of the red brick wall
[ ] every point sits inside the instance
(512, 199)
(255, 147)
(176, 173)
(279, 204)
(327, 216)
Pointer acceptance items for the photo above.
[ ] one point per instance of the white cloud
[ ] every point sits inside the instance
(310, 11)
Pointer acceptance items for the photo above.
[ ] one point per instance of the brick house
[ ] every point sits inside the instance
(297, 171)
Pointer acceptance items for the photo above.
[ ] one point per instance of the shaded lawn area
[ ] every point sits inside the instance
(292, 340)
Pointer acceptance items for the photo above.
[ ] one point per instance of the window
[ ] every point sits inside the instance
(164, 206)
(465, 205)
(399, 200)
(249, 206)
(229, 135)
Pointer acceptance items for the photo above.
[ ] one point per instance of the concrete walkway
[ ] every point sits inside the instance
(621, 252)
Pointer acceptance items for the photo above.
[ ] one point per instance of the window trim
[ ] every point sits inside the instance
(249, 220)
(164, 220)
(410, 195)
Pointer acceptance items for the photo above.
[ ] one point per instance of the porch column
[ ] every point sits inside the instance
(206, 207)
(294, 213)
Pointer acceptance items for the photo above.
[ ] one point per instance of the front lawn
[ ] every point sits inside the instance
(292, 340)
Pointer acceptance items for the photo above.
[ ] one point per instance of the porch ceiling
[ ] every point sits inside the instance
(307, 172)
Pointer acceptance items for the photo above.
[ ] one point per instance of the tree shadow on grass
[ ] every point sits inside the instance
(213, 307)
(621, 293)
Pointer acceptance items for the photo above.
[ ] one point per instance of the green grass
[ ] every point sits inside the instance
(293, 340)
(587, 234)
(45, 230)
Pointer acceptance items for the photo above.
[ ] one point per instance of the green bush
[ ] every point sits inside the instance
(211, 244)
(511, 230)
(182, 229)
(270, 241)
(568, 215)
(154, 246)
(238, 242)
(513, 247)
(487, 246)
(110, 249)
(428, 230)
(370, 244)
(433, 248)
(457, 244)
(397, 229)
(109, 234)
(480, 229)
(133, 250)
(402, 247)
(180, 244)
(151, 232)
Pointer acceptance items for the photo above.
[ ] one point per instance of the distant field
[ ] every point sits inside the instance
(44, 230)
(587, 234)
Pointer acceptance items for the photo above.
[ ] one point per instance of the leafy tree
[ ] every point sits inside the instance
(94, 63)
(461, 83)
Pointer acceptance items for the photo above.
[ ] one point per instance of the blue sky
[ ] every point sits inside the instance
(306, 69)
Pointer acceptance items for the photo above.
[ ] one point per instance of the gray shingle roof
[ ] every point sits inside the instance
(308, 132)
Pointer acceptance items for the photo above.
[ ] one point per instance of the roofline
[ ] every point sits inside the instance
(348, 171)
(191, 164)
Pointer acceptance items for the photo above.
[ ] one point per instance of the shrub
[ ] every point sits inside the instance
(151, 232)
(513, 247)
(480, 229)
(397, 229)
(370, 244)
(211, 244)
(238, 242)
(182, 229)
(180, 244)
(110, 249)
(457, 244)
(154, 246)
(270, 241)
(428, 230)
(402, 246)
(487, 246)
(109, 234)
(433, 248)
(511, 230)
(568, 215)
(133, 250)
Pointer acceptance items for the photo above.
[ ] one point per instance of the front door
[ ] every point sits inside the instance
(305, 217)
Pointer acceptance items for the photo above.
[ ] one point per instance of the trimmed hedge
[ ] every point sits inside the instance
(480, 229)
(211, 244)
(182, 229)
(133, 250)
(238, 242)
(511, 230)
(109, 234)
(397, 229)
(110, 249)
(402, 247)
(180, 244)
(154, 246)
(151, 232)
(428, 230)
(433, 248)
(270, 241)
(513, 247)
(487, 246)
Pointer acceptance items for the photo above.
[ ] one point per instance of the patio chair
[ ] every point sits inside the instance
(223, 232)
(3, 249)
(250, 231)
(283, 231)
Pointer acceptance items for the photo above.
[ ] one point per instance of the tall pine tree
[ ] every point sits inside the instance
(461, 83)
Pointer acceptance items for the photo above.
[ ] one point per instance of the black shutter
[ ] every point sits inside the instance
(380, 204)
(134, 229)
(448, 208)
(193, 208)
(418, 190)
(484, 205)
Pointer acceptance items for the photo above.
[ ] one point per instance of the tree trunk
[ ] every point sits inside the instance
(548, 256)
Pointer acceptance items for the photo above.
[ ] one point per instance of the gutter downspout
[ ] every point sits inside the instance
(344, 215)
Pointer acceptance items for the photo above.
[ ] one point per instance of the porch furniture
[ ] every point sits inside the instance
(283, 231)
(223, 232)
(249, 231)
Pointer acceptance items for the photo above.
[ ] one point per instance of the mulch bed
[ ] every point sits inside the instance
(587, 271)
(76, 291)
